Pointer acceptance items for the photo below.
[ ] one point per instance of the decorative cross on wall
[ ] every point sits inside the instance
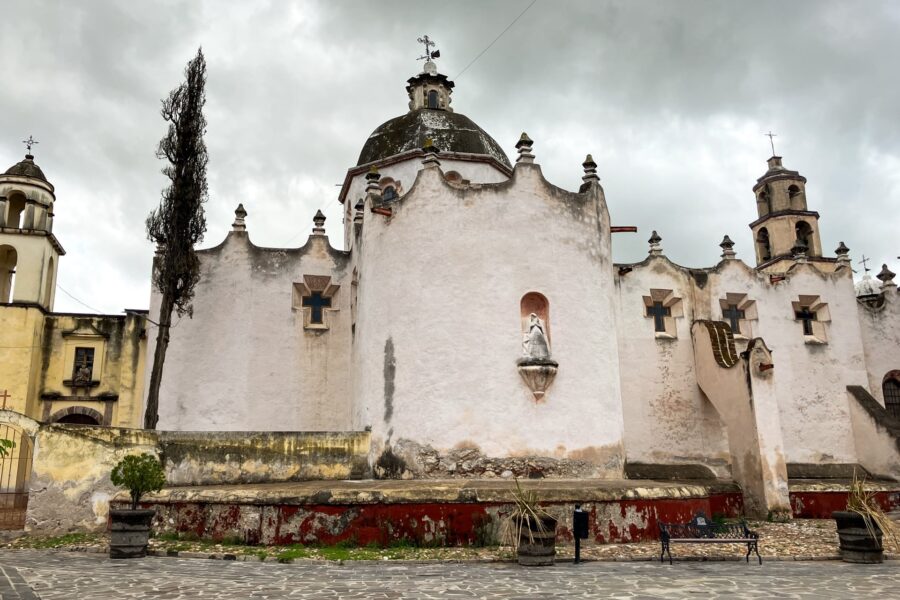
(734, 316)
(659, 314)
(317, 302)
(5, 396)
(807, 317)
(313, 297)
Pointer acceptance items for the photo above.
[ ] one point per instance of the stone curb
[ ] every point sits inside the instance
(272, 559)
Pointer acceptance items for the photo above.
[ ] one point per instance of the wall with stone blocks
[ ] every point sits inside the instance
(70, 487)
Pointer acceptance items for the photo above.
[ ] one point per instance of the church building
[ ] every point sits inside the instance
(57, 367)
(475, 323)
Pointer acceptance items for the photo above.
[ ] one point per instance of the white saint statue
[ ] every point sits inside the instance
(535, 343)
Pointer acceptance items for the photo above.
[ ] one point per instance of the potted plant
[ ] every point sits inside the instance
(530, 529)
(130, 529)
(863, 525)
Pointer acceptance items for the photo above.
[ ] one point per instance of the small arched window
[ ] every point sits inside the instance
(765, 200)
(793, 191)
(16, 211)
(8, 259)
(804, 233)
(762, 242)
(389, 193)
(433, 99)
(891, 390)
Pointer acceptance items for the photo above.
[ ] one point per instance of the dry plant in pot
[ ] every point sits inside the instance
(530, 529)
(862, 527)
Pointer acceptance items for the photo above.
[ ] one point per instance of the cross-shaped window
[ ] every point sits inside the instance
(316, 302)
(807, 317)
(659, 314)
(734, 316)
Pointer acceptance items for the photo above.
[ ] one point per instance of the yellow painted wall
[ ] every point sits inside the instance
(37, 352)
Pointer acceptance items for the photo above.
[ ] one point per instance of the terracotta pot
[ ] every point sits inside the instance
(537, 544)
(129, 533)
(858, 545)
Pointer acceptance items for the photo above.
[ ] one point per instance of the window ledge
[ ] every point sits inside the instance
(813, 340)
(660, 335)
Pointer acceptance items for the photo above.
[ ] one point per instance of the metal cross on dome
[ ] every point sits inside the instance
(29, 143)
(429, 54)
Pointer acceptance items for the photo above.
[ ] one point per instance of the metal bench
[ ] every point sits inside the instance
(703, 531)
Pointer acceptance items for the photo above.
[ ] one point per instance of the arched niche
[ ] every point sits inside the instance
(535, 303)
(8, 259)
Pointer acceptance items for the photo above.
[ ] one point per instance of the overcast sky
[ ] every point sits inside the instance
(671, 98)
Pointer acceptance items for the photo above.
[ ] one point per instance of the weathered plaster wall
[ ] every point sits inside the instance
(439, 329)
(880, 327)
(667, 418)
(119, 354)
(809, 378)
(70, 487)
(405, 172)
(245, 362)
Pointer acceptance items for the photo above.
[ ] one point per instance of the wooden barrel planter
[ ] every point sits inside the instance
(129, 533)
(858, 545)
(537, 543)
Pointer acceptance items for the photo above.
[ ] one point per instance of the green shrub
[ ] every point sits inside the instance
(138, 474)
(6, 446)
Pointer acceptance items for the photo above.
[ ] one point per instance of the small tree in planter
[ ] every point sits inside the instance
(130, 529)
(530, 529)
(863, 525)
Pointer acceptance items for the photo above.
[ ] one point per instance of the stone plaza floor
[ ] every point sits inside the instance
(33, 574)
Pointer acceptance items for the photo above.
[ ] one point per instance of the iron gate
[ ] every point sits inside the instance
(15, 474)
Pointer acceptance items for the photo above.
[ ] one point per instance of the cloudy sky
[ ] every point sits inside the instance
(671, 98)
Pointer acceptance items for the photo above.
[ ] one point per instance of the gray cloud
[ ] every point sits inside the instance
(671, 98)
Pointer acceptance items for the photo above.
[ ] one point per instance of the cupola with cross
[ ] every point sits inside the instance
(785, 227)
(29, 251)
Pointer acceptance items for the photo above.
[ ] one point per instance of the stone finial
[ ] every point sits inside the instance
(799, 250)
(431, 160)
(239, 215)
(887, 277)
(524, 147)
(843, 253)
(590, 169)
(372, 179)
(319, 221)
(727, 247)
(655, 248)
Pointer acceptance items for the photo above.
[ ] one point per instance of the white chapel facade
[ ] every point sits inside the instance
(476, 324)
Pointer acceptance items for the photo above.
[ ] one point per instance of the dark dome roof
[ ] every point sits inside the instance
(27, 168)
(449, 131)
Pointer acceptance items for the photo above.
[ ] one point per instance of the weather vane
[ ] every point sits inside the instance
(29, 143)
(771, 135)
(428, 53)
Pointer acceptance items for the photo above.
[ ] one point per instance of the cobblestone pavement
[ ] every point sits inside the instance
(88, 577)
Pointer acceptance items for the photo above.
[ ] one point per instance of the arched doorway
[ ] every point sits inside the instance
(15, 475)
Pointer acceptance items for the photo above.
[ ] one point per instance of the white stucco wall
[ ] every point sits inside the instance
(244, 362)
(880, 327)
(476, 171)
(441, 282)
(667, 418)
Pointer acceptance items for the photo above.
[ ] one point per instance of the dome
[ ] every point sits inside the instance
(26, 168)
(867, 287)
(449, 131)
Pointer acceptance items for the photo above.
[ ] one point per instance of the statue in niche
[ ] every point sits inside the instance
(535, 344)
(82, 376)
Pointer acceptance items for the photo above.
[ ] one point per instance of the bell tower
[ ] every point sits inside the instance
(786, 228)
(29, 252)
